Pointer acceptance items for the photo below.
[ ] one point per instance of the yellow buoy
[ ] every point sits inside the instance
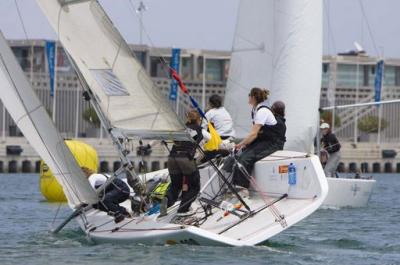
(84, 154)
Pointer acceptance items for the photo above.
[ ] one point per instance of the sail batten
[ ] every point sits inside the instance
(125, 93)
(278, 46)
(32, 119)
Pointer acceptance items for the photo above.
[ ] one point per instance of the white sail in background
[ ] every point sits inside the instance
(126, 94)
(278, 46)
(34, 122)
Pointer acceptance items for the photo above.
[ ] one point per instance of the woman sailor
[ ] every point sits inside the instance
(220, 118)
(267, 134)
(182, 168)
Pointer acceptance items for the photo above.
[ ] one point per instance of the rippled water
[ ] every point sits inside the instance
(347, 236)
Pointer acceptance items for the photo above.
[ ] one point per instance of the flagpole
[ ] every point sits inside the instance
(31, 61)
(332, 90)
(55, 83)
(379, 106)
(4, 123)
(174, 93)
(177, 101)
(77, 112)
(356, 110)
(203, 93)
(379, 124)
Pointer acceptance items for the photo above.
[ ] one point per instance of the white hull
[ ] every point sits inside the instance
(348, 192)
(302, 199)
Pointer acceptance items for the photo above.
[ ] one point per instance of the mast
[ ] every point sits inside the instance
(278, 46)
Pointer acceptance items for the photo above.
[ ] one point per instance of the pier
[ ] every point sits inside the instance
(17, 156)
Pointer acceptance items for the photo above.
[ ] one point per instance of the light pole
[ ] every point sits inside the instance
(379, 106)
(356, 101)
(359, 49)
(140, 11)
(203, 92)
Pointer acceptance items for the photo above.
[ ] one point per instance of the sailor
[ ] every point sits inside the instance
(278, 109)
(183, 170)
(267, 134)
(114, 194)
(220, 118)
(330, 143)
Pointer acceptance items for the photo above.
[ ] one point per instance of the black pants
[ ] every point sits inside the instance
(180, 168)
(254, 152)
(208, 155)
(115, 193)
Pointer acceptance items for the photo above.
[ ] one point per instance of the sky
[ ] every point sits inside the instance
(210, 24)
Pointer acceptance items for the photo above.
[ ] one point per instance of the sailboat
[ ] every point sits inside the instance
(349, 192)
(130, 107)
(284, 55)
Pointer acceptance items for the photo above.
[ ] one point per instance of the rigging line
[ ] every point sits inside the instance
(55, 216)
(143, 28)
(368, 27)
(91, 229)
(274, 210)
(20, 19)
(236, 82)
(265, 198)
(222, 176)
(328, 22)
(161, 58)
(29, 112)
(256, 46)
(122, 226)
(141, 229)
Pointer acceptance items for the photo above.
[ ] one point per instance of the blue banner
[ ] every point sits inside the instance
(176, 54)
(378, 80)
(51, 55)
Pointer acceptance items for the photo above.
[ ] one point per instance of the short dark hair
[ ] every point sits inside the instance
(278, 108)
(215, 101)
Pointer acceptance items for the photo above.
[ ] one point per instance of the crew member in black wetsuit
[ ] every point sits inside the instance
(183, 170)
(330, 143)
(278, 109)
(114, 194)
(267, 134)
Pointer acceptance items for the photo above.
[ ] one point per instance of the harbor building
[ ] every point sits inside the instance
(346, 79)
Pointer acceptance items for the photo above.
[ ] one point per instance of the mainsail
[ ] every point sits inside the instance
(34, 122)
(278, 45)
(120, 85)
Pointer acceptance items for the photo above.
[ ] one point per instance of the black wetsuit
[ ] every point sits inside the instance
(114, 194)
(183, 170)
(270, 138)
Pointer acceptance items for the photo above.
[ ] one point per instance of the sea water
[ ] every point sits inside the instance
(364, 236)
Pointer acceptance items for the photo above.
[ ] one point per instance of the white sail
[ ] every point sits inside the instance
(278, 45)
(34, 122)
(121, 86)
